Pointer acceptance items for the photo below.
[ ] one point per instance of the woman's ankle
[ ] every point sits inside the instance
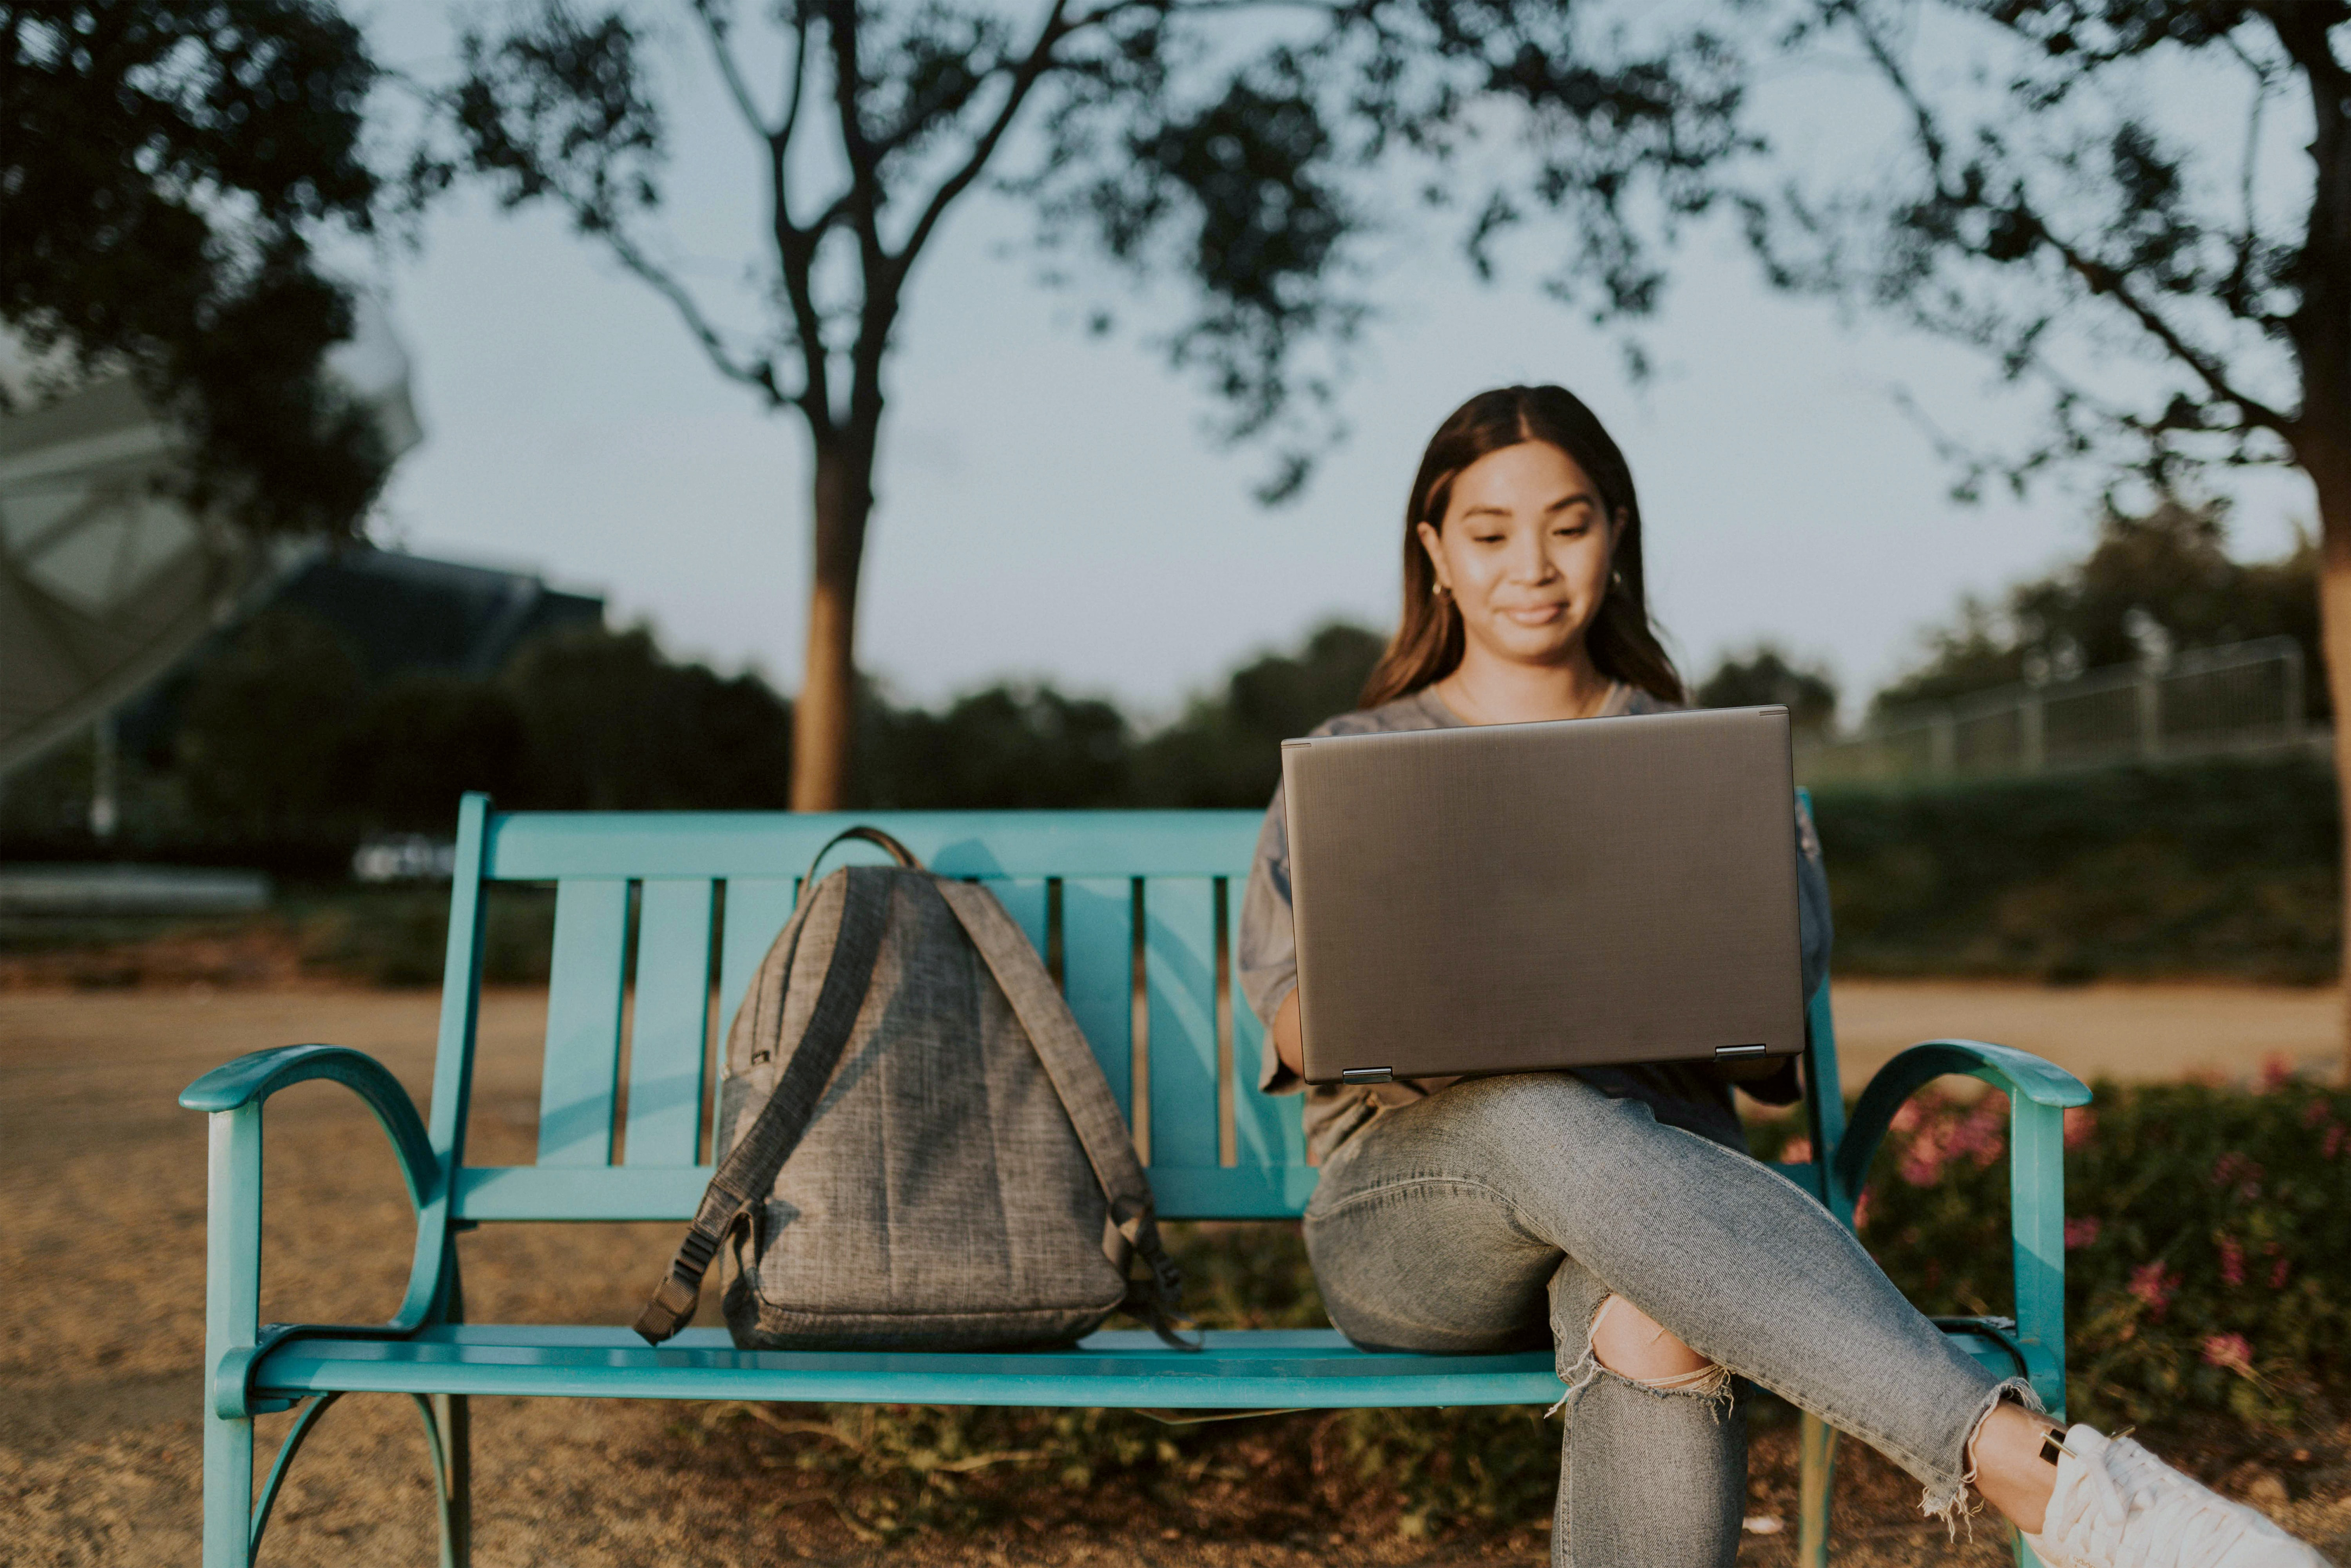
(2007, 1463)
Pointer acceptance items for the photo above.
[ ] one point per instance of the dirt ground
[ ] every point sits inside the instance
(102, 1249)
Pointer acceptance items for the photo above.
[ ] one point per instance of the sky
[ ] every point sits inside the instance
(1051, 507)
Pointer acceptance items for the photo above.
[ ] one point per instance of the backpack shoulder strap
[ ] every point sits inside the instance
(1076, 1078)
(749, 1169)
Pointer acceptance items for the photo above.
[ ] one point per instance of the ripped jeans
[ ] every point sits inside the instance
(1502, 1213)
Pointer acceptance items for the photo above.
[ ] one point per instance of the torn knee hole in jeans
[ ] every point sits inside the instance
(1710, 1383)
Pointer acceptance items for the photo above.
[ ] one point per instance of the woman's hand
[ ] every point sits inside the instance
(1288, 1043)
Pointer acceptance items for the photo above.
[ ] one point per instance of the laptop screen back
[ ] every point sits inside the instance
(1520, 897)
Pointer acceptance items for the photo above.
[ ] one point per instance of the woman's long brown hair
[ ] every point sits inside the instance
(1427, 644)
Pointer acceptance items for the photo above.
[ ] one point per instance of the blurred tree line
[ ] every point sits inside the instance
(2151, 586)
(288, 752)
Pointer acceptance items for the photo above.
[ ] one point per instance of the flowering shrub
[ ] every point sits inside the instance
(2208, 1238)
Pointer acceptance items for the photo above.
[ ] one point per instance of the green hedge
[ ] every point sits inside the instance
(2223, 869)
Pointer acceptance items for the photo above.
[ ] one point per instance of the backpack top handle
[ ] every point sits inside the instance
(897, 851)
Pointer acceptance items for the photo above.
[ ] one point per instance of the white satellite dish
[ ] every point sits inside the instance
(106, 578)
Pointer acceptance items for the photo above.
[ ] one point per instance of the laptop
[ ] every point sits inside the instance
(1509, 898)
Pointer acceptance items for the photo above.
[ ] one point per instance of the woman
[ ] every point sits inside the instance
(1616, 1212)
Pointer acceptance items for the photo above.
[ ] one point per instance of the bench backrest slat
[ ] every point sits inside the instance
(1267, 1129)
(1027, 899)
(756, 908)
(1098, 975)
(668, 1033)
(1179, 959)
(584, 1022)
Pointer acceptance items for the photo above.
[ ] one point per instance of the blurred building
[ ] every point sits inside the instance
(399, 614)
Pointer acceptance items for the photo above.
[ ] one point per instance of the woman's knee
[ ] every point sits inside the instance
(1634, 1345)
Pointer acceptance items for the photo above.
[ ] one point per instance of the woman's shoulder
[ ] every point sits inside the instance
(1418, 710)
(1637, 701)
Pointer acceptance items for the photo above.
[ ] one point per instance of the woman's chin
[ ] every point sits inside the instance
(1543, 645)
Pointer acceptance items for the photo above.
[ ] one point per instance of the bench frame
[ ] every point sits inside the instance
(1110, 897)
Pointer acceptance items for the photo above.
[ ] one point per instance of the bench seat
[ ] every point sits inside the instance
(1241, 1369)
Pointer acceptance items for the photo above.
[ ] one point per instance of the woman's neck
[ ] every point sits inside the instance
(1483, 689)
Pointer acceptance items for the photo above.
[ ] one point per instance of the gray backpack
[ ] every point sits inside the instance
(917, 1143)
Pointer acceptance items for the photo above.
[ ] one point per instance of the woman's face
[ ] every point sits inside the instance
(1524, 551)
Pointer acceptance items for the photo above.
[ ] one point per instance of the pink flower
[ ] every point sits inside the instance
(2232, 1262)
(2153, 1284)
(2082, 1232)
(1923, 1162)
(2243, 1173)
(1861, 1211)
(2081, 1123)
(2331, 1144)
(2278, 1272)
(1906, 1118)
(2315, 1112)
(1982, 1137)
(2229, 1350)
(2277, 1071)
(1797, 1151)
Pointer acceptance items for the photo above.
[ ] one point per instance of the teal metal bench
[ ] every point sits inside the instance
(1094, 890)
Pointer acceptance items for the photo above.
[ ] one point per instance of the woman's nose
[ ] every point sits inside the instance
(1530, 562)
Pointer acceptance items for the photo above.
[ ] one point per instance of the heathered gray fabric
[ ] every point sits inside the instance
(1691, 1096)
(941, 1198)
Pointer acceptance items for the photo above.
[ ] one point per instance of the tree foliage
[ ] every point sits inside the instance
(2150, 586)
(2049, 212)
(1009, 747)
(1767, 675)
(166, 168)
(1226, 749)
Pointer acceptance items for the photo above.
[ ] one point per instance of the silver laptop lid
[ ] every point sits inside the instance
(1502, 898)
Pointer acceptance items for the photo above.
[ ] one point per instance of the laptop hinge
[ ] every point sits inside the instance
(1756, 1050)
(1371, 1075)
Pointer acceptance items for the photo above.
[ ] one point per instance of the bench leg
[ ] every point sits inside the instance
(228, 1491)
(1816, 1480)
(454, 1425)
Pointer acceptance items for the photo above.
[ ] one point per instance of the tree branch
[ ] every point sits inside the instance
(1930, 139)
(1030, 70)
(714, 26)
(2101, 279)
(2095, 274)
(864, 206)
(782, 138)
(759, 374)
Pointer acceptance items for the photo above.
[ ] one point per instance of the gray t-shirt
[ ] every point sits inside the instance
(1683, 1095)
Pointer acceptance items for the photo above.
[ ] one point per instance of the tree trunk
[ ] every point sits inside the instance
(2332, 475)
(824, 719)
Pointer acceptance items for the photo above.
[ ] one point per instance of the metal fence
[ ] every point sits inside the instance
(2248, 696)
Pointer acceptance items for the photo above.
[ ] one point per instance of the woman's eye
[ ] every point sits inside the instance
(1573, 531)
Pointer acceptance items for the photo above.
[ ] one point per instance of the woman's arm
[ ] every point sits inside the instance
(1287, 1044)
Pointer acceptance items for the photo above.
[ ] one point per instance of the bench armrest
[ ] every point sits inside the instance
(256, 1076)
(234, 1096)
(2023, 1077)
(2038, 1095)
